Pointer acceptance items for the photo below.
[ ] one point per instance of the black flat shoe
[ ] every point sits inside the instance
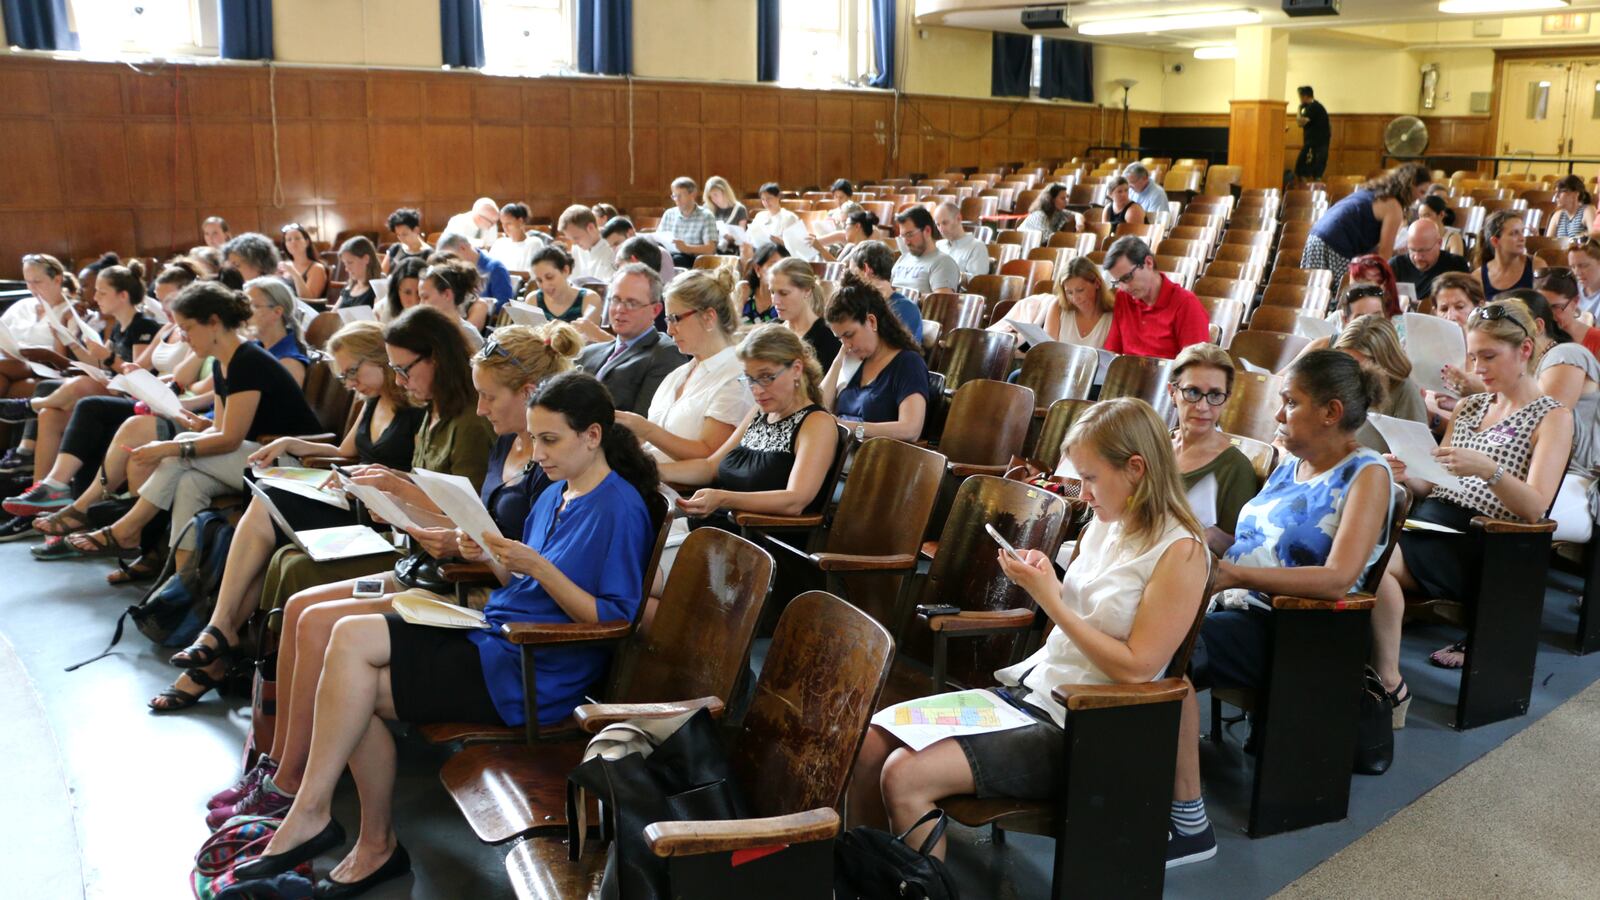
(266, 866)
(398, 863)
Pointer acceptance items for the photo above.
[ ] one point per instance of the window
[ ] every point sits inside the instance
(825, 42)
(528, 37)
(113, 28)
(1036, 67)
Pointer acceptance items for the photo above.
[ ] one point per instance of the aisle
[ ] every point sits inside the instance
(41, 846)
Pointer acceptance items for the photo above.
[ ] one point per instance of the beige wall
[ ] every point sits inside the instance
(358, 32)
(1204, 85)
(703, 40)
(956, 62)
(1357, 80)
(1144, 66)
(1461, 72)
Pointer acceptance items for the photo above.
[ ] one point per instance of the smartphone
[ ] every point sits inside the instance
(1004, 544)
(926, 610)
(369, 587)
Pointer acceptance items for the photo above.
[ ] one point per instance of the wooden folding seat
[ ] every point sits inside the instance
(969, 354)
(1235, 271)
(696, 646)
(1281, 319)
(1086, 195)
(1312, 300)
(1242, 253)
(1080, 242)
(1144, 377)
(975, 208)
(1270, 350)
(1044, 453)
(1263, 456)
(1058, 371)
(1236, 236)
(996, 288)
(1181, 247)
(1226, 314)
(1252, 407)
(1000, 254)
(1243, 291)
(1059, 257)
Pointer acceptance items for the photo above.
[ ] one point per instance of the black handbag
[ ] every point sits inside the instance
(686, 777)
(869, 864)
(1375, 729)
(419, 570)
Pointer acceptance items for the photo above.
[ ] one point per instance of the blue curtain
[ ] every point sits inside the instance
(767, 24)
(883, 20)
(244, 28)
(461, 33)
(605, 37)
(1067, 71)
(38, 25)
(1012, 64)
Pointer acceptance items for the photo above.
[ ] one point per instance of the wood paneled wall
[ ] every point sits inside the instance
(105, 157)
(1357, 144)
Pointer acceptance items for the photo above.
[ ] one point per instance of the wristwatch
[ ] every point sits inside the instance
(1499, 473)
(861, 432)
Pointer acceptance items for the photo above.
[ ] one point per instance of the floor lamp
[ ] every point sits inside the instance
(1127, 86)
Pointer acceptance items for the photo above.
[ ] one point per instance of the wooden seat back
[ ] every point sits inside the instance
(967, 354)
(1144, 377)
(1263, 456)
(987, 423)
(1058, 371)
(1225, 313)
(1046, 452)
(1210, 286)
(327, 395)
(996, 288)
(323, 326)
(1281, 319)
(1270, 350)
(954, 311)
(1252, 407)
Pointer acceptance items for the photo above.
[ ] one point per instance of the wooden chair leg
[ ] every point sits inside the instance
(1112, 837)
(1307, 715)
(1503, 628)
(1588, 636)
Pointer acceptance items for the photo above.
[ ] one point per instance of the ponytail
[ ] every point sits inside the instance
(583, 401)
(627, 458)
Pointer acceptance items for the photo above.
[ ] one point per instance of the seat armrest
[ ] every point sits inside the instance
(555, 633)
(967, 470)
(468, 573)
(982, 620)
(762, 520)
(321, 437)
(327, 462)
(1507, 526)
(855, 562)
(593, 717)
(1352, 602)
(1110, 696)
(667, 839)
(46, 356)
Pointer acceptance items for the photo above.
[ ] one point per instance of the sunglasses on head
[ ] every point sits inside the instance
(493, 348)
(1495, 312)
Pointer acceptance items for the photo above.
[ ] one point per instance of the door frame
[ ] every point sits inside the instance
(1491, 140)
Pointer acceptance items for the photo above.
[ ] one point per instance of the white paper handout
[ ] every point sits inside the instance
(302, 482)
(525, 314)
(731, 232)
(925, 721)
(756, 235)
(796, 241)
(324, 544)
(304, 313)
(420, 609)
(1408, 295)
(1412, 443)
(381, 504)
(1032, 335)
(349, 314)
(67, 336)
(667, 240)
(1203, 500)
(10, 347)
(141, 385)
(1432, 343)
(1065, 469)
(1314, 327)
(456, 498)
(94, 372)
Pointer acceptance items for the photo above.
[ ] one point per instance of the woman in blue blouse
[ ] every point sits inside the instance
(581, 559)
(887, 395)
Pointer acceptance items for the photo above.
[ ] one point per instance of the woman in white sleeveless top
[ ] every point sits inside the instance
(1127, 602)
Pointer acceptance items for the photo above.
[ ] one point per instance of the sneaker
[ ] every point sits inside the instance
(54, 547)
(37, 500)
(16, 409)
(1183, 849)
(246, 783)
(263, 800)
(16, 528)
(15, 461)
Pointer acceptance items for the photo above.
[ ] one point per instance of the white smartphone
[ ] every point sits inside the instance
(369, 587)
(1004, 544)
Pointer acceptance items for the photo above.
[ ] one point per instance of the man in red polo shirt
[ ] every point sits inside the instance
(1153, 316)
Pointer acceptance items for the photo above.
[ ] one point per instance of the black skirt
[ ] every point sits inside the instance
(1442, 564)
(436, 675)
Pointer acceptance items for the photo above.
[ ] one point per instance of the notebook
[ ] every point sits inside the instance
(325, 544)
(418, 608)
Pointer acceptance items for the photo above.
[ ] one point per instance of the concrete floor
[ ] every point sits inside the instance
(138, 782)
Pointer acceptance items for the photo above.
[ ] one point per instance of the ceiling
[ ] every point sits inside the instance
(1005, 15)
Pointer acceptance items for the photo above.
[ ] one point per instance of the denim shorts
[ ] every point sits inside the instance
(1028, 763)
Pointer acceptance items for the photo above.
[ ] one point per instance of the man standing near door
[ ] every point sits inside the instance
(1315, 136)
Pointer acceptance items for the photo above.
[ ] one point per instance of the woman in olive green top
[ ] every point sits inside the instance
(1218, 478)
(1373, 342)
(430, 360)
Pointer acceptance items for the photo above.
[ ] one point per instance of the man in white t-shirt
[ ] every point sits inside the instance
(480, 224)
(922, 267)
(592, 257)
(971, 257)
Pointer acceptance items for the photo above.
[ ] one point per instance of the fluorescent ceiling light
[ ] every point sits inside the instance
(1481, 7)
(1217, 18)
(1225, 51)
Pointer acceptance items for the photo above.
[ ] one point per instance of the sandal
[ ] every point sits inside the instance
(144, 568)
(181, 699)
(62, 522)
(99, 542)
(1401, 704)
(1451, 657)
(198, 655)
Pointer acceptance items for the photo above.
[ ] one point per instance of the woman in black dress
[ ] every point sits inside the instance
(797, 298)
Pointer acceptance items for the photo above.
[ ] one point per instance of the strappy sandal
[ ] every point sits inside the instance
(99, 542)
(181, 699)
(1444, 658)
(198, 655)
(62, 522)
(1401, 704)
(144, 568)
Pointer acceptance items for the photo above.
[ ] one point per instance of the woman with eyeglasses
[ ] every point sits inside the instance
(512, 367)
(1217, 477)
(776, 461)
(1509, 448)
(699, 404)
(1584, 259)
(1561, 289)
(1502, 256)
(307, 274)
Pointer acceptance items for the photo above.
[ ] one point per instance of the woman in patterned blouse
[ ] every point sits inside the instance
(1508, 447)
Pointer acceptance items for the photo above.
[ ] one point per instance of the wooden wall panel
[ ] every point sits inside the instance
(91, 166)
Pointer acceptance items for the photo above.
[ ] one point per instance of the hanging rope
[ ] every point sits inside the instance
(277, 164)
(630, 128)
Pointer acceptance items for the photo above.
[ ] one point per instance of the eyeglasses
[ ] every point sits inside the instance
(750, 381)
(673, 320)
(1125, 280)
(493, 348)
(1194, 395)
(350, 373)
(1495, 312)
(632, 305)
(405, 370)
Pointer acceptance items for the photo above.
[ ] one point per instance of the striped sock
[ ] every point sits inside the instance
(1189, 816)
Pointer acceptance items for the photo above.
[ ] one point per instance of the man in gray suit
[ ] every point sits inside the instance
(632, 365)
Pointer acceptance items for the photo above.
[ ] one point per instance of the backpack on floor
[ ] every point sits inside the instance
(869, 864)
(239, 840)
